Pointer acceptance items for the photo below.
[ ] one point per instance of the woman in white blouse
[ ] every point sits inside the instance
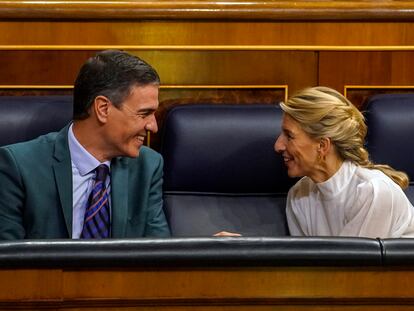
(341, 193)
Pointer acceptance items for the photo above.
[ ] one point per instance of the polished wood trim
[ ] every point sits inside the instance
(171, 86)
(213, 304)
(205, 33)
(376, 87)
(260, 86)
(253, 288)
(166, 86)
(208, 47)
(221, 86)
(214, 10)
(36, 87)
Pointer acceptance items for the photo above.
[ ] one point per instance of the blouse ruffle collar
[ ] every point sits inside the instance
(334, 185)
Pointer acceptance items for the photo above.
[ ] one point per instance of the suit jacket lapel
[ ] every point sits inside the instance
(63, 176)
(119, 196)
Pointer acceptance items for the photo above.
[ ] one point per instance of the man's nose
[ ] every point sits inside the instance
(152, 125)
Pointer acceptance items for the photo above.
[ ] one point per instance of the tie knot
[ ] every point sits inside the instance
(101, 172)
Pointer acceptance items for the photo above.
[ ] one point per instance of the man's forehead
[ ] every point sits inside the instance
(145, 96)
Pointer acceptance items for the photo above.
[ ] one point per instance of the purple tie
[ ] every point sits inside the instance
(97, 221)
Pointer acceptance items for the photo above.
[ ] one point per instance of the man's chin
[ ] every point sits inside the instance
(132, 153)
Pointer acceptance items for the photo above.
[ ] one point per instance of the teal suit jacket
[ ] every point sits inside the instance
(36, 191)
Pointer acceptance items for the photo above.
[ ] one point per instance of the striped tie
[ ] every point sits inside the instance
(97, 220)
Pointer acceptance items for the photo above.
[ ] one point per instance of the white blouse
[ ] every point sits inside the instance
(356, 201)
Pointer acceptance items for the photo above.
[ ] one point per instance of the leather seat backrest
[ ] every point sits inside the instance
(26, 117)
(221, 171)
(390, 120)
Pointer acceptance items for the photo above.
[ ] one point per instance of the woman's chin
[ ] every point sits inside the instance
(292, 172)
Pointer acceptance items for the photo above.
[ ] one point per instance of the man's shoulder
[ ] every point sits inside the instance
(37, 143)
(33, 148)
(149, 154)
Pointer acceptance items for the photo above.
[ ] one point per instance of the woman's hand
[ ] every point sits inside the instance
(225, 233)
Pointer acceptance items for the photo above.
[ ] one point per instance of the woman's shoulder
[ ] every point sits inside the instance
(372, 176)
(369, 173)
(373, 181)
(380, 194)
(302, 188)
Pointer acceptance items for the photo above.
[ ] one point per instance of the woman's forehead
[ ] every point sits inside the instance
(288, 123)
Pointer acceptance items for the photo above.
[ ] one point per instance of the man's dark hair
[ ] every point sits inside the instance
(109, 73)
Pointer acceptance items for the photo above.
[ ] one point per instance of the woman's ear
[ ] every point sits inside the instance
(325, 146)
(101, 106)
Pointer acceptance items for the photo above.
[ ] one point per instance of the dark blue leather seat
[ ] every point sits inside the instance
(390, 120)
(221, 172)
(26, 117)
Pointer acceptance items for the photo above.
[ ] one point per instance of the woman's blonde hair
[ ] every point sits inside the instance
(324, 113)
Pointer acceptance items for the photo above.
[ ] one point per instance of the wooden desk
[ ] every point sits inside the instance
(175, 274)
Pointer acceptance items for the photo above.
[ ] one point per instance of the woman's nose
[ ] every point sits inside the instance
(279, 145)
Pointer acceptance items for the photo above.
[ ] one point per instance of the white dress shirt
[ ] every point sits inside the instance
(83, 166)
(355, 201)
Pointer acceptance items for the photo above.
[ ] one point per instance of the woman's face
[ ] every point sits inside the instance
(298, 149)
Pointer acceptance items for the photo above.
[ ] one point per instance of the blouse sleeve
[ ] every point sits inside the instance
(293, 219)
(381, 210)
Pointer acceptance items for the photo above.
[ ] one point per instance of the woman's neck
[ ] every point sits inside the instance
(327, 168)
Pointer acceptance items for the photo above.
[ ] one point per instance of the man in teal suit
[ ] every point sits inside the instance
(46, 183)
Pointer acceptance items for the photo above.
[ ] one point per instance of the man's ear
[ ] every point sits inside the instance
(101, 106)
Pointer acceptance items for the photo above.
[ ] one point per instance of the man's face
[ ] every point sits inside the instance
(298, 149)
(127, 126)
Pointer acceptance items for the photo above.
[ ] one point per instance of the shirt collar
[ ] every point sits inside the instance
(81, 158)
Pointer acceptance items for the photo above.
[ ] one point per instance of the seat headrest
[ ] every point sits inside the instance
(223, 149)
(390, 120)
(26, 117)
